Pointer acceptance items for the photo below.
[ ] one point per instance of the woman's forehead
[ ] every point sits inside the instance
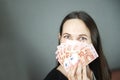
(75, 26)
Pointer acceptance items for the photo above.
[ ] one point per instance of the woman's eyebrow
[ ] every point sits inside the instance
(83, 35)
(78, 35)
(66, 34)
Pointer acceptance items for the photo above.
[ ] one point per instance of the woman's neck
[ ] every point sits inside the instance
(62, 70)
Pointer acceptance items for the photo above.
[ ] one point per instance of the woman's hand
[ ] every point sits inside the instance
(78, 72)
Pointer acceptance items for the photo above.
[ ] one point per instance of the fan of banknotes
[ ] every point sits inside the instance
(73, 52)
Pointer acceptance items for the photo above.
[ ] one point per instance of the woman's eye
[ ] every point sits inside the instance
(66, 37)
(82, 38)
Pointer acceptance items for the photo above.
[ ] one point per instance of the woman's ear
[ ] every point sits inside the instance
(59, 38)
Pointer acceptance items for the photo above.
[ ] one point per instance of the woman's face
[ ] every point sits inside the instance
(75, 29)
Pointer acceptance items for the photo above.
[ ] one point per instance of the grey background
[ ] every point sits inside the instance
(29, 31)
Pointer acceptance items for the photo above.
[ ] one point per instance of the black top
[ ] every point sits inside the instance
(55, 75)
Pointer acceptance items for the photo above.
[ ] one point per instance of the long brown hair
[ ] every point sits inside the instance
(99, 66)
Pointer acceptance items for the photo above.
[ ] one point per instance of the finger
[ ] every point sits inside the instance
(84, 73)
(72, 73)
(79, 72)
(89, 73)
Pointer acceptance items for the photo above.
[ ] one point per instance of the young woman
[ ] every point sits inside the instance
(80, 26)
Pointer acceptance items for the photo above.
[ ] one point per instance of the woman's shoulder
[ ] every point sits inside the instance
(55, 74)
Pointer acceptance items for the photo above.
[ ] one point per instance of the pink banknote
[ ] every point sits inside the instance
(73, 52)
